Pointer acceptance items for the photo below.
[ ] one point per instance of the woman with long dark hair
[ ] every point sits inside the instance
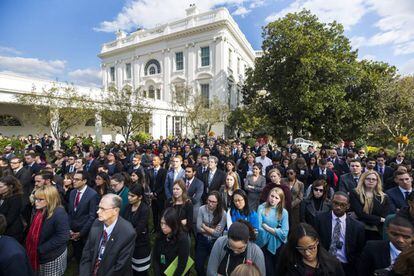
(211, 221)
(137, 213)
(11, 196)
(171, 243)
(240, 210)
(102, 184)
(304, 255)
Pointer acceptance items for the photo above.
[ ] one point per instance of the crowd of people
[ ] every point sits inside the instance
(242, 209)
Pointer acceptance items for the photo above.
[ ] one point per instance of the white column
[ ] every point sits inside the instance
(54, 127)
(98, 127)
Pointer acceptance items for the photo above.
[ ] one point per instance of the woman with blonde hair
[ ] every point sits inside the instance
(273, 227)
(227, 190)
(246, 269)
(370, 204)
(182, 204)
(46, 241)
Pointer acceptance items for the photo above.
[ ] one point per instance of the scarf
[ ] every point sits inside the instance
(32, 240)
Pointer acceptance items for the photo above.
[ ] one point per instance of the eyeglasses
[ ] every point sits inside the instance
(77, 179)
(340, 204)
(318, 190)
(39, 199)
(310, 248)
(211, 201)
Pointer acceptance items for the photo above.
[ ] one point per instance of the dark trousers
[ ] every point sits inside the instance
(158, 206)
(270, 261)
(203, 249)
(142, 273)
(349, 269)
(78, 248)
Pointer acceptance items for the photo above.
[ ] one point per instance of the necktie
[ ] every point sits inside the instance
(77, 199)
(356, 179)
(210, 178)
(335, 237)
(380, 170)
(187, 184)
(155, 173)
(406, 193)
(101, 252)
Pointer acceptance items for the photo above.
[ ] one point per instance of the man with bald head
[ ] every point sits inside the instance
(108, 250)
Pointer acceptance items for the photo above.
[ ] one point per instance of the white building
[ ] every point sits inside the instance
(205, 51)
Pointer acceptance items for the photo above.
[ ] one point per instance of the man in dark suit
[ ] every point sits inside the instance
(25, 177)
(213, 178)
(310, 153)
(337, 162)
(398, 195)
(30, 160)
(380, 255)
(110, 244)
(341, 235)
(82, 206)
(384, 171)
(203, 167)
(176, 172)
(91, 167)
(136, 165)
(156, 176)
(13, 257)
(69, 165)
(341, 150)
(349, 181)
(322, 172)
(195, 189)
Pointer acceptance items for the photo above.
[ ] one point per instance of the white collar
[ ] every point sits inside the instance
(342, 219)
(110, 228)
(83, 189)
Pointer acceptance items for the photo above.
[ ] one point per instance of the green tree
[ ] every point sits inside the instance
(306, 68)
(124, 110)
(58, 108)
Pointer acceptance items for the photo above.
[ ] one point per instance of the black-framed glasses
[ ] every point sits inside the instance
(310, 248)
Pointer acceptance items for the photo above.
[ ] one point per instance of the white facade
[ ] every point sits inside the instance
(204, 51)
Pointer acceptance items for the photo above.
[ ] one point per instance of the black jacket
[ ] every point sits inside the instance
(54, 236)
(379, 210)
(11, 209)
(81, 220)
(376, 255)
(139, 220)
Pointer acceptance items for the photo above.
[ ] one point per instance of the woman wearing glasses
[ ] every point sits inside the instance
(317, 202)
(46, 241)
(303, 255)
(211, 221)
(370, 204)
(240, 210)
(234, 249)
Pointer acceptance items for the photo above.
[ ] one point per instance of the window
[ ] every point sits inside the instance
(205, 95)
(152, 67)
(179, 61)
(8, 120)
(230, 57)
(151, 92)
(128, 72)
(179, 93)
(158, 94)
(112, 74)
(205, 56)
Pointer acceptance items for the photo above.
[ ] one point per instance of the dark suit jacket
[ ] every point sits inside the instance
(199, 172)
(169, 181)
(397, 199)
(118, 251)
(329, 177)
(379, 210)
(11, 209)
(157, 183)
(376, 255)
(13, 258)
(219, 179)
(347, 183)
(387, 173)
(81, 220)
(195, 192)
(25, 177)
(354, 235)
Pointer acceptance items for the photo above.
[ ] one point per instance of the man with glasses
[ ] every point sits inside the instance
(82, 205)
(69, 165)
(341, 235)
(110, 244)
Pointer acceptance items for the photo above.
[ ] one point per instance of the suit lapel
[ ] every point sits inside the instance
(112, 240)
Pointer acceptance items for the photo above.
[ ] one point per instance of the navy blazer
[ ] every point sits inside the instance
(354, 235)
(387, 173)
(13, 258)
(397, 199)
(195, 191)
(81, 220)
(54, 236)
(329, 177)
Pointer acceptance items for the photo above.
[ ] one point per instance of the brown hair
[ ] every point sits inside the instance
(236, 180)
(15, 188)
(183, 188)
(279, 206)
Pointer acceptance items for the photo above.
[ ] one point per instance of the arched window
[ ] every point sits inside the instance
(9, 120)
(152, 67)
(151, 92)
(90, 122)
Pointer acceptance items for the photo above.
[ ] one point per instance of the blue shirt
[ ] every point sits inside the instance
(273, 241)
(252, 218)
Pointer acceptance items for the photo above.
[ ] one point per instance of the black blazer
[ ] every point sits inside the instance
(139, 220)
(54, 236)
(13, 258)
(195, 192)
(308, 211)
(397, 199)
(329, 177)
(25, 177)
(219, 179)
(354, 235)
(118, 251)
(11, 209)
(379, 210)
(157, 183)
(81, 220)
(347, 183)
(376, 255)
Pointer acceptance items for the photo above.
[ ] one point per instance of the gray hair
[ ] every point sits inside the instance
(116, 200)
(215, 159)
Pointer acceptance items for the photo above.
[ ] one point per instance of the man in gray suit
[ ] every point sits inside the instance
(108, 250)
(349, 181)
(195, 189)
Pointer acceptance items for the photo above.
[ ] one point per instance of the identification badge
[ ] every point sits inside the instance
(162, 260)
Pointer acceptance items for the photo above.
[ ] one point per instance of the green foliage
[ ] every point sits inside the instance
(141, 137)
(16, 143)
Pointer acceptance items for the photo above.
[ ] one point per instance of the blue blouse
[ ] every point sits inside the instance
(273, 241)
(252, 218)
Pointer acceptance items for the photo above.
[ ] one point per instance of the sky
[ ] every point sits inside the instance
(60, 39)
